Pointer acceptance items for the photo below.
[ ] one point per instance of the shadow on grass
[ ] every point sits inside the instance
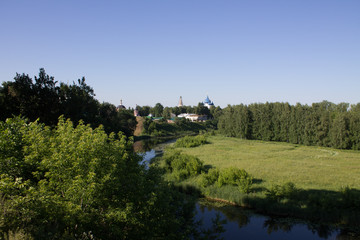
(257, 189)
(207, 167)
(257, 180)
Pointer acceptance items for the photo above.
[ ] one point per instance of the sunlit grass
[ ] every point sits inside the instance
(277, 163)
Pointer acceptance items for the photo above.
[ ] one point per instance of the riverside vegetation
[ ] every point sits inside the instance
(46, 164)
(314, 183)
(75, 182)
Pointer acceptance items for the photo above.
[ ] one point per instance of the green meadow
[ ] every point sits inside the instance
(321, 185)
(272, 163)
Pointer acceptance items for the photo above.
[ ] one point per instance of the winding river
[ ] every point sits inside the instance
(245, 224)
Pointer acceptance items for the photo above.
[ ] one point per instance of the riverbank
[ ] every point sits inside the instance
(316, 184)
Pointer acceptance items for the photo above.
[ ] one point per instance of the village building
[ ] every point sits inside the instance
(120, 107)
(180, 102)
(193, 117)
(208, 103)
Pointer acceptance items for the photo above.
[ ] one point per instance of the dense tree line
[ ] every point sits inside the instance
(323, 124)
(169, 112)
(44, 99)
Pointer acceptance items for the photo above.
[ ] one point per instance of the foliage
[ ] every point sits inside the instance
(182, 166)
(285, 191)
(235, 176)
(191, 141)
(323, 124)
(157, 111)
(228, 176)
(209, 178)
(44, 100)
(78, 182)
(161, 128)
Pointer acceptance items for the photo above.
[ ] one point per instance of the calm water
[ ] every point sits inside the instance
(244, 224)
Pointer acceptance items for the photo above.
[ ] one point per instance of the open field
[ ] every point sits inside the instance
(277, 163)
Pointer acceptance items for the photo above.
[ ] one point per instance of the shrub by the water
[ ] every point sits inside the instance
(228, 176)
(279, 192)
(182, 166)
(191, 141)
(209, 178)
(235, 176)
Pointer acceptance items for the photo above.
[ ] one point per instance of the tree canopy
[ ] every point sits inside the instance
(44, 99)
(75, 182)
(323, 124)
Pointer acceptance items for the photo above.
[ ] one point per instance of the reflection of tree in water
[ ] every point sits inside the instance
(285, 224)
(346, 235)
(274, 225)
(322, 231)
(232, 213)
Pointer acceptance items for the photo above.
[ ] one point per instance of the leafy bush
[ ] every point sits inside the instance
(286, 191)
(235, 176)
(209, 178)
(228, 176)
(182, 165)
(191, 141)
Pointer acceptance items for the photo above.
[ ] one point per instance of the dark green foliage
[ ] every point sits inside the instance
(157, 111)
(209, 178)
(182, 166)
(43, 99)
(235, 176)
(80, 183)
(323, 124)
(116, 121)
(228, 176)
(280, 192)
(191, 141)
(162, 128)
(350, 198)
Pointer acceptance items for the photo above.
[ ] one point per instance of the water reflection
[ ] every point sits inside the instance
(151, 148)
(243, 224)
(145, 145)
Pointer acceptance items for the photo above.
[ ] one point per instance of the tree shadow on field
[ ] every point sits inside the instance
(321, 208)
(257, 189)
(207, 167)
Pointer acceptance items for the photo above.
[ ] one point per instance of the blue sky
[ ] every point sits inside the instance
(146, 52)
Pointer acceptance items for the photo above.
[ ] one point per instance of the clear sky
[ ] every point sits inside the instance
(152, 51)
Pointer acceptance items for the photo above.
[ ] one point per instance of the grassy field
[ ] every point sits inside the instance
(320, 185)
(276, 163)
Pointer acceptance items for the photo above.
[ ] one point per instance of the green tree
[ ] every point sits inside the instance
(80, 183)
(201, 109)
(166, 113)
(157, 111)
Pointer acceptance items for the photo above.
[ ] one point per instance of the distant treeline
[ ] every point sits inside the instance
(322, 124)
(44, 99)
(169, 112)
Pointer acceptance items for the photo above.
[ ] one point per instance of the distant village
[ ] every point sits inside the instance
(190, 116)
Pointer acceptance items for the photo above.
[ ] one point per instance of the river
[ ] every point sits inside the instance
(245, 224)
